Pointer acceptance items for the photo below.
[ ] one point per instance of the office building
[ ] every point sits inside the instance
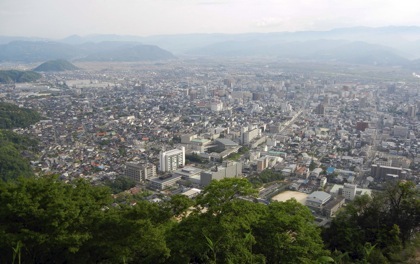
(229, 169)
(381, 172)
(139, 172)
(172, 159)
(164, 182)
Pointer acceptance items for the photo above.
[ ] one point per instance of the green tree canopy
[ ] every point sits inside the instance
(388, 220)
(13, 116)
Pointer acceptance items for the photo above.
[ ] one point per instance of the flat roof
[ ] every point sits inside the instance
(173, 151)
(159, 180)
(200, 140)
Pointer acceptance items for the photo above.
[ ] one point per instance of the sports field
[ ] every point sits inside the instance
(284, 196)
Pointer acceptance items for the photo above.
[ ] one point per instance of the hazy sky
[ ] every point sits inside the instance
(61, 18)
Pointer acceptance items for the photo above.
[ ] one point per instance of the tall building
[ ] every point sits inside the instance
(139, 172)
(412, 111)
(320, 109)
(172, 159)
(349, 191)
(247, 135)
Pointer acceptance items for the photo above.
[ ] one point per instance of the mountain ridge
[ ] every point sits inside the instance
(38, 51)
(388, 46)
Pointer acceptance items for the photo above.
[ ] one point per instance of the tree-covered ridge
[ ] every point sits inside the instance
(55, 66)
(12, 116)
(44, 220)
(16, 76)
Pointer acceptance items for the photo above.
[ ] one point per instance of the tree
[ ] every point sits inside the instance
(404, 207)
(12, 164)
(387, 220)
(179, 204)
(227, 228)
(221, 192)
(120, 184)
(128, 234)
(49, 218)
(312, 166)
(204, 237)
(44, 220)
(219, 230)
(287, 234)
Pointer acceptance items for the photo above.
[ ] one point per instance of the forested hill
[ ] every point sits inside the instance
(13, 116)
(12, 163)
(55, 66)
(15, 76)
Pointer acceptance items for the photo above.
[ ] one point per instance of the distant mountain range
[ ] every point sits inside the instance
(36, 51)
(390, 46)
(55, 66)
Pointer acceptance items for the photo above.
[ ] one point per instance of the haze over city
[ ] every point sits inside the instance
(58, 19)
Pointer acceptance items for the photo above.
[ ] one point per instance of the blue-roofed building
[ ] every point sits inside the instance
(330, 170)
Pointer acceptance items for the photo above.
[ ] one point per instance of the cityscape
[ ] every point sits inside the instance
(209, 131)
(104, 123)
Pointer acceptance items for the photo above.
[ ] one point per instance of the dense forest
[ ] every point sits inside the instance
(15, 76)
(45, 220)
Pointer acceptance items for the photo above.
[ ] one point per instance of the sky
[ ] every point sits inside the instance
(62, 18)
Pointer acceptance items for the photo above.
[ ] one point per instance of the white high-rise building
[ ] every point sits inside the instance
(172, 159)
(349, 191)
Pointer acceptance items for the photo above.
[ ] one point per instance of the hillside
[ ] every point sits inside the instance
(15, 76)
(55, 66)
(13, 116)
(12, 163)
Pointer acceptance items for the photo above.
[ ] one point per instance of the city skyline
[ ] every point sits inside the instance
(53, 19)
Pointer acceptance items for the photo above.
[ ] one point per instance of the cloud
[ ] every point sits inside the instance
(270, 22)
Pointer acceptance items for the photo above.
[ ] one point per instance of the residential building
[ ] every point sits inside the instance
(349, 191)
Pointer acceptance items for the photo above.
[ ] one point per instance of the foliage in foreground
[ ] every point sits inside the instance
(378, 229)
(12, 163)
(44, 220)
(47, 221)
